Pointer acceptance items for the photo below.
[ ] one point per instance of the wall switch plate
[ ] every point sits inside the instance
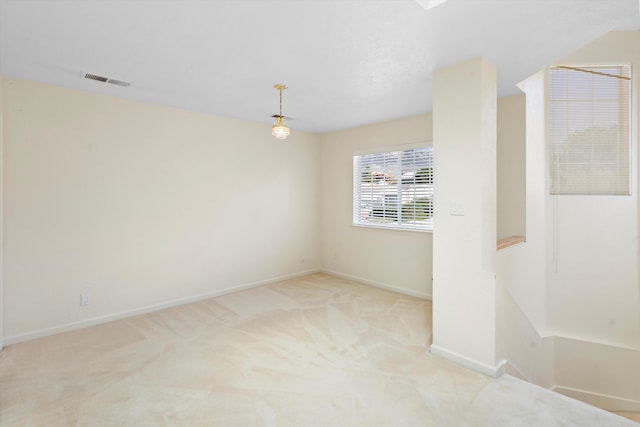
(457, 208)
(84, 299)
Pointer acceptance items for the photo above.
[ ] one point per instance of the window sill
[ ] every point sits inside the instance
(384, 227)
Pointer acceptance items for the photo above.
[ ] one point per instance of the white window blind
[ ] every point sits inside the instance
(590, 128)
(394, 189)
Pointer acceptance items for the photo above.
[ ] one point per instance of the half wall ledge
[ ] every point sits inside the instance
(510, 241)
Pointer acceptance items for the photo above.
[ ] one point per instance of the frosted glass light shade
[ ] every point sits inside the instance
(280, 130)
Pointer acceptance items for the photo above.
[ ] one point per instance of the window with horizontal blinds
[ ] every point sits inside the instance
(590, 130)
(394, 189)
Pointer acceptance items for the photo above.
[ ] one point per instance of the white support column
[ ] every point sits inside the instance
(464, 237)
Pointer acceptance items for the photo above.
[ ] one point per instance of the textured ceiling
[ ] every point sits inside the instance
(347, 63)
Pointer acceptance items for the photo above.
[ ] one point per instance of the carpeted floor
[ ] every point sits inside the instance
(312, 351)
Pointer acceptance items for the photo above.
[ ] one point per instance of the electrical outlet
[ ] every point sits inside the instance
(84, 299)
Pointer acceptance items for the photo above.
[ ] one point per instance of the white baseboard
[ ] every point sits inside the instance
(422, 295)
(40, 333)
(475, 365)
(603, 401)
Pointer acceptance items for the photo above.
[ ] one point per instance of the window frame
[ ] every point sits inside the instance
(387, 191)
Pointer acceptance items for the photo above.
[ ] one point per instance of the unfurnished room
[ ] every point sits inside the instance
(319, 213)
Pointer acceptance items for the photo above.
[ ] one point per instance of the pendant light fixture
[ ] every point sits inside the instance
(280, 129)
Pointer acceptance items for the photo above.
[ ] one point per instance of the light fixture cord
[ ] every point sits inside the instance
(280, 102)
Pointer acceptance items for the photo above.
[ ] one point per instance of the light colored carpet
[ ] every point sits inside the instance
(313, 351)
(635, 416)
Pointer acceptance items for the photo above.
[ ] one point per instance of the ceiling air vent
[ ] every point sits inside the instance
(94, 77)
(106, 80)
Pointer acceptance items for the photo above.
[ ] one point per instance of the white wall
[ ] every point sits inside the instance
(529, 355)
(522, 336)
(522, 270)
(140, 205)
(593, 290)
(602, 375)
(569, 297)
(399, 260)
(464, 237)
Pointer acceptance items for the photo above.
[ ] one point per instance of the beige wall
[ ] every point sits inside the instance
(402, 260)
(511, 166)
(399, 260)
(142, 206)
(1, 210)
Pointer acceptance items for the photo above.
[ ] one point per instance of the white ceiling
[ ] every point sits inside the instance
(346, 63)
